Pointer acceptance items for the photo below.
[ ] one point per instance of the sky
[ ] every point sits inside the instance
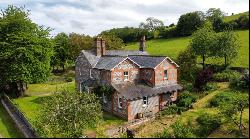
(91, 17)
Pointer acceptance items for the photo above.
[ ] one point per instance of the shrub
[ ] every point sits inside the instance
(225, 97)
(186, 99)
(240, 82)
(208, 123)
(69, 79)
(211, 86)
(226, 76)
(182, 131)
(202, 78)
(173, 109)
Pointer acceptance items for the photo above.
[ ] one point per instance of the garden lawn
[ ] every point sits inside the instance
(172, 47)
(7, 126)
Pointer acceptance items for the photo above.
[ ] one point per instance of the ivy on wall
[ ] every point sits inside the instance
(106, 89)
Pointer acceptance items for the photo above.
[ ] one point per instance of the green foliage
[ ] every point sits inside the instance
(187, 62)
(240, 82)
(68, 113)
(182, 131)
(190, 22)
(172, 109)
(164, 134)
(186, 99)
(226, 76)
(61, 50)
(151, 24)
(105, 89)
(79, 42)
(207, 124)
(25, 48)
(202, 41)
(210, 86)
(225, 46)
(113, 42)
(225, 97)
(233, 111)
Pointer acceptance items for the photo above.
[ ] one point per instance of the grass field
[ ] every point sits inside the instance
(7, 127)
(172, 47)
(233, 17)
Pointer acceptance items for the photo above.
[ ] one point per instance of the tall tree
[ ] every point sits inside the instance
(202, 41)
(151, 24)
(226, 46)
(61, 49)
(190, 22)
(25, 50)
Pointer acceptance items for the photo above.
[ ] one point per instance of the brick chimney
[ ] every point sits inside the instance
(100, 46)
(103, 47)
(142, 44)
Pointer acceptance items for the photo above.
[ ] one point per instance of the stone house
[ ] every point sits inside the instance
(143, 84)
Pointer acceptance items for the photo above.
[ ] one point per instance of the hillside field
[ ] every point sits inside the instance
(172, 47)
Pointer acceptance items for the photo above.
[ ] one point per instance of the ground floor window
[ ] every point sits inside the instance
(120, 102)
(104, 98)
(145, 101)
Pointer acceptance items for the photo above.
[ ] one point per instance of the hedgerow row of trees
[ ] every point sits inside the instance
(186, 25)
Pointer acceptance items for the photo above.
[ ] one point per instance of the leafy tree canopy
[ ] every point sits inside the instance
(25, 48)
(151, 24)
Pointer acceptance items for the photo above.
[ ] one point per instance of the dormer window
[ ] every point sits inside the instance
(125, 73)
(165, 74)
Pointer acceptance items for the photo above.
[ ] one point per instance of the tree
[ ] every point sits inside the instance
(190, 22)
(213, 14)
(226, 45)
(151, 24)
(113, 42)
(78, 42)
(243, 21)
(68, 114)
(61, 49)
(187, 62)
(202, 41)
(232, 109)
(25, 51)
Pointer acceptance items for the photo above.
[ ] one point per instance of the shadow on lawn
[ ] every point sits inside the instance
(41, 100)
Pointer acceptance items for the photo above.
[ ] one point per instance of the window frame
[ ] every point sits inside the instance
(104, 98)
(145, 99)
(90, 73)
(126, 77)
(120, 102)
(165, 73)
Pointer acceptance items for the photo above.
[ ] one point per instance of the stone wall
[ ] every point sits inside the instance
(159, 73)
(117, 75)
(82, 70)
(121, 112)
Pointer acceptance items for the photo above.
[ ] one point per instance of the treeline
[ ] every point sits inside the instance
(186, 25)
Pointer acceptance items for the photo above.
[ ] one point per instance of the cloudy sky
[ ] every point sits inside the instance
(93, 16)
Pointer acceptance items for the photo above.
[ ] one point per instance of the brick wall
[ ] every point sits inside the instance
(117, 73)
(147, 76)
(159, 73)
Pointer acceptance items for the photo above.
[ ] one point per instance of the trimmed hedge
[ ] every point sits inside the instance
(226, 76)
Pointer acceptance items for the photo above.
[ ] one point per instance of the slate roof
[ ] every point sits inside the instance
(147, 61)
(133, 91)
(90, 55)
(125, 52)
(108, 62)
